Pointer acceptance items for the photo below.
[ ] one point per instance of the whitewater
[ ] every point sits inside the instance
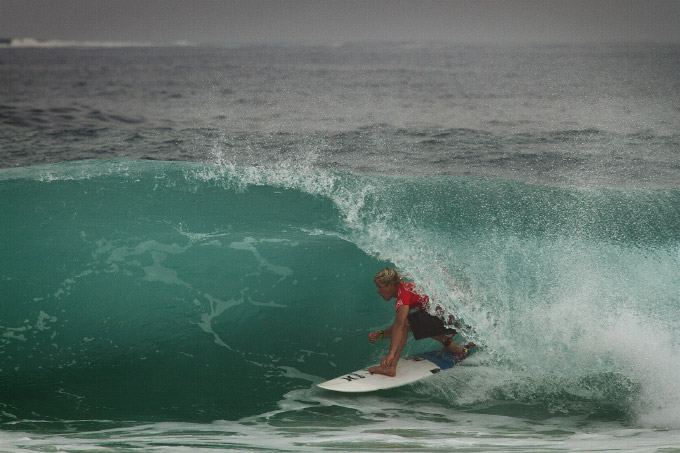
(189, 235)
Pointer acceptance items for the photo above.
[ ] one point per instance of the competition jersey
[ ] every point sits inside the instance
(406, 295)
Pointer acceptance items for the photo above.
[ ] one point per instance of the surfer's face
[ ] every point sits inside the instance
(388, 291)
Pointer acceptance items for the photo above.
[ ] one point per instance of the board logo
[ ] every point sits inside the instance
(353, 377)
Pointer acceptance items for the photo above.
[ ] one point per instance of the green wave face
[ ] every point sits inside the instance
(174, 291)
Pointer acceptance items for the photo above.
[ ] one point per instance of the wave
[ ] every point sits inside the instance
(188, 291)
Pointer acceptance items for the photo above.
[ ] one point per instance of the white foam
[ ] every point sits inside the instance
(53, 43)
(248, 244)
(217, 307)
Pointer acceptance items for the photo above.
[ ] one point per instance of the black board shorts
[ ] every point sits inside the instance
(425, 325)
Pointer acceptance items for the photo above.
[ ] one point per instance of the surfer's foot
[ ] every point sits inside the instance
(386, 370)
(454, 349)
(465, 351)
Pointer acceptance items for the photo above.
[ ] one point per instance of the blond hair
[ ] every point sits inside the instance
(387, 276)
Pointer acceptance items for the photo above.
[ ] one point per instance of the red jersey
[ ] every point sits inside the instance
(406, 295)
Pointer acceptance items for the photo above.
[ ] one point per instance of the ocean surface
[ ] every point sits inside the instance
(188, 237)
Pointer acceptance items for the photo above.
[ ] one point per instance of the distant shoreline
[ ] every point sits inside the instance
(31, 42)
(59, 43)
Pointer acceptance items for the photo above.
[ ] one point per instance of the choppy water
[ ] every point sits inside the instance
(192, 305)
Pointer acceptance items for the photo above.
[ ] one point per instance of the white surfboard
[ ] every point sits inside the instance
(409, 369)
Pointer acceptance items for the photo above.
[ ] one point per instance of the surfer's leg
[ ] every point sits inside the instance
(402, 345)
(449, 345)
(391, 369)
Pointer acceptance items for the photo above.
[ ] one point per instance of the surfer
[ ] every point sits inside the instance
(423, 325)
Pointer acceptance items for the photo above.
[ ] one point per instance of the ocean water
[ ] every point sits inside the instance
(189, 235)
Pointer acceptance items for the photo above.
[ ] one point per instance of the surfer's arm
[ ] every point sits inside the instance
(380, 334)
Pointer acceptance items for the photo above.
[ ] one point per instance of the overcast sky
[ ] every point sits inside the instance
(334, 22)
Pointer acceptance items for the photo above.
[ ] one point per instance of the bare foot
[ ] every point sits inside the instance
(455, 349)
(386, 370)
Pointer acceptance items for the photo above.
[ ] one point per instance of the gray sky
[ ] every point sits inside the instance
(333, 22)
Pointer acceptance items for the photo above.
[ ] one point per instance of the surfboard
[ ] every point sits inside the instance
(409, 369)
